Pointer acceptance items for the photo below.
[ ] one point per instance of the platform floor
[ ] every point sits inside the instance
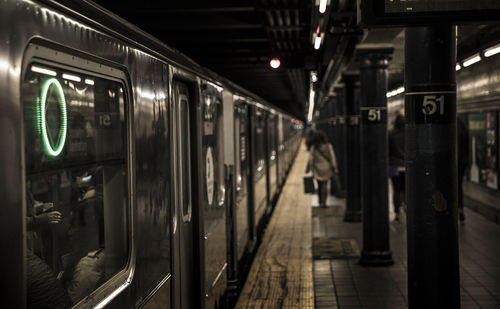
(277, 281)
(281, 275)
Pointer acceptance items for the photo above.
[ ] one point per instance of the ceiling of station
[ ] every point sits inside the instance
(237, 39)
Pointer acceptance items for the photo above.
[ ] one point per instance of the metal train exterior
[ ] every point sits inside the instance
(132, 177)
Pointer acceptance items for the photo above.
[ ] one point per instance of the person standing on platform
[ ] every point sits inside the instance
(397, 163)
(309, 134)
(322, 162)
(463, 162)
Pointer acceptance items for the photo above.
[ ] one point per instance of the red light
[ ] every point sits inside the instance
(317, 30)
(275, 63)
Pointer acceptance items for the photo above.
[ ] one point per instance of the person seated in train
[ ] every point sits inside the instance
(40, 217)
(87, 183)
(43, 289)
(84, 269)
(88, 274)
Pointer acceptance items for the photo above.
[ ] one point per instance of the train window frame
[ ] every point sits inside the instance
(183, 99)
(237, 146)
(221, 182)
(61, 57)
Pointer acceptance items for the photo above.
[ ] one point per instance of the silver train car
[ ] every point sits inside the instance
(132, 176)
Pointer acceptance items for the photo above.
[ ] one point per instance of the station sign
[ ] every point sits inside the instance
(426, 12)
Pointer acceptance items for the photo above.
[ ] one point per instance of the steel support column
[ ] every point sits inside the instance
(352, 145)
(339, 145)
(374, 176)
(431, 167)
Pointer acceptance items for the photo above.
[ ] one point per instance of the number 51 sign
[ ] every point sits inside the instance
(431, 107)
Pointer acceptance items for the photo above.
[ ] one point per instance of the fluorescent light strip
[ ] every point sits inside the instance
(89, 81)
(311, 106)
(322, 6)
(492, 51)
(469, 61)
(43, 70)
(395, 92)
(314, 77)
(317, 42)
(458, 67)
(71, 77)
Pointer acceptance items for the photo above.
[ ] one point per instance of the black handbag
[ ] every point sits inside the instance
(309, 185)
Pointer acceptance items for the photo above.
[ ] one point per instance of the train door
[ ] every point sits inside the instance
(281, 148)
(243, 209)
(184, 270)
(260, 166)
(272, 156)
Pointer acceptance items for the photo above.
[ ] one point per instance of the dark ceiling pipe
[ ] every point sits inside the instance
(343, 5)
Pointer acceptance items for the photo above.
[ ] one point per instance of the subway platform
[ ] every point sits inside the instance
(309, 258)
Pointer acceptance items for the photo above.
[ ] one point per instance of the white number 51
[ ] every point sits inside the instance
(430, 105)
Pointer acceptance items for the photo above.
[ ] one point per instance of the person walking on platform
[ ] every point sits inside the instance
(322, 162)
(397, 163)
(463, 162)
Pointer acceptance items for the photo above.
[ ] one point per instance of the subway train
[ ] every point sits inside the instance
(132, 176)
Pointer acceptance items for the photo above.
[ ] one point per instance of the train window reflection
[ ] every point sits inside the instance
(76, 184)
(260, 144)
(185, 140)
(220, 155)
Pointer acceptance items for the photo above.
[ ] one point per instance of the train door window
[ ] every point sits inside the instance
(220, 154)
(237, 144)
(240, 146)
(260, 142)
(77, 209)
(185, 158)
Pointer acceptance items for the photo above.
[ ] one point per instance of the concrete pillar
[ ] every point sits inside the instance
(431, 167)
(374, 154)
(352, 145)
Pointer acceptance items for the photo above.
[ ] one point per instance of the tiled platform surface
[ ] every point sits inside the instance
(281, 275)
(342, 283)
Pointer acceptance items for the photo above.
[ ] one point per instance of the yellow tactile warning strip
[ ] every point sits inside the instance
(281, 275)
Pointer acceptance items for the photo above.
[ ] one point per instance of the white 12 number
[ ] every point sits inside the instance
(430, 105)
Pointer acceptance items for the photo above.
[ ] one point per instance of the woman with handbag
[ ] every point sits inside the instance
(322, 162)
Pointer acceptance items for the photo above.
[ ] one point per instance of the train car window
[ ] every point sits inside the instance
(260, 143)
(237, 146)
(220, 155)
(185, 164)
(77, 218)
(241, 151)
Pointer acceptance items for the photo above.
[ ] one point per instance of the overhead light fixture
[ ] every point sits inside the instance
(275, 63)
(314, 76)
(492, 51)
(43, 70)
(395, 92)
(471, 60)
(322, 6)
(71, 77)
(311, 105)
(317, 42)
(458, 67)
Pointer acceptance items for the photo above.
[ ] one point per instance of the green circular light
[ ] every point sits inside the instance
(64, 119)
